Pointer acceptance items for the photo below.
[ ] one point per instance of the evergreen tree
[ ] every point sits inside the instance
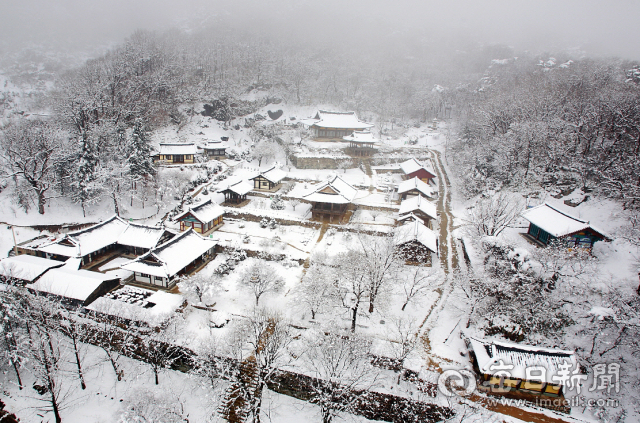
(138, 153)
(86, 188)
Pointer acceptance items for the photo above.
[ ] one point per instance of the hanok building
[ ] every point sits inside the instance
(203, 218)
(182, 255)
(419, 207)
(416, 242)
(92, 245)
(331, 199)
(414, 169)
(332, 126)
(138, 239)
(269, 180)
(98, 243)
(25, 269)
(215, 150)
(361, 143)
(236, 193)
(74, 287)
(547, 223)
(415, 187)
(176, 153)
(523, 372)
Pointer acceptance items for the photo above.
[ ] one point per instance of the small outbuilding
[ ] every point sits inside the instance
(236, 192)
(415, 242)
(419, 207)
(414, 169)
(547, 223)
(176, 153)
(270, 180)
(523, 371)
(361, 143)
(203, 218)
(215, 150)
(415, 187)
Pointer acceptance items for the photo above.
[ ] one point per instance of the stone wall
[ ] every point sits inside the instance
(316, 162)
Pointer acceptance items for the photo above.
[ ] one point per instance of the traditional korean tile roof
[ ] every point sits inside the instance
(418, 203)
(114, 230)
(490, 352)
(411, 166)
(70, 283)
(177, 148)
(556, 222)
(364, 137)
(205, 212)
(417, 184)
(215, 145)
(167, 259)
(141, 236)
(26, 267)
(86, 241)
(416, 231)
(273, 175)
(335, 191)
(239, 187)
(339, 120)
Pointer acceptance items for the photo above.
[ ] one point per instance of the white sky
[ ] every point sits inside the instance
(600, 27)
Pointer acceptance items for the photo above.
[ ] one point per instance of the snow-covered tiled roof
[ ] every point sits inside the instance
(80, 243)
(168, 259)
(273, 174)
(215, 145)
(205, 212)
(417, 184)
(69, 283)
(26, 267)
(416, 231)
(418, 203)
(141, 236)
(335, 191)
(411, 166)
(86, 241)
(155, 307)
(239, 187)
(556, 222)
(365, 137)
(339, 120)
(177, 148)
(489, 352)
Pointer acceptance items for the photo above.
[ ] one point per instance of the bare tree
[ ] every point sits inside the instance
(30, 150)
(294, 202)
(316, 288)
(381, 262)
(144, 406)
(268, 337)
(199, 287)
(416, 284)
(262, 279)
(375, 214)
(159, 353)
(345, 164)
(341, 367)
(352, 286)
(490, 216)
(115, 343)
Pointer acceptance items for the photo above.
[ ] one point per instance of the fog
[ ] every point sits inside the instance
(598, 28)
